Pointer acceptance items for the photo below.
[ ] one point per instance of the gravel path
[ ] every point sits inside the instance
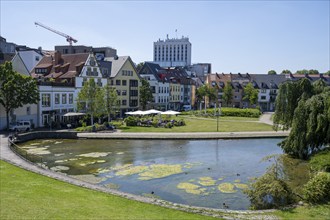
(9, 156)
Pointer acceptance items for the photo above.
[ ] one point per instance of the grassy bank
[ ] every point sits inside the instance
(28, 195)
(198, 124)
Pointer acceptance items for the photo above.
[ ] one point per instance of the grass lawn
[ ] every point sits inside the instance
(317, 212)
(196, 124)
(27, 195)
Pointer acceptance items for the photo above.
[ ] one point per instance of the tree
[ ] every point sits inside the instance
(287, 100)
(305, 108)
(110, 101)
(91, 99)
(313, 72)
(250, 94)
(201, 94)
(270, 190)
(286, 72)
(227, 93)
(16, 89)
(327, 73)
(139, 66)
(272, 72)
(302, 72)
(145, 94)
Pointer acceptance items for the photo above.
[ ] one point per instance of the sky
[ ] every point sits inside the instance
(234, 36)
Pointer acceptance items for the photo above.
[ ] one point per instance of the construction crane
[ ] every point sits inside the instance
(68, 38)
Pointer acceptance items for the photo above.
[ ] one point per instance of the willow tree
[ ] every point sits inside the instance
(287, 100)
(310, 127)
(305, 108)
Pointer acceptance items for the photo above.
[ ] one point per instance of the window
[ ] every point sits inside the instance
(133, 92)
(124, 82)
(84, 81)
(133, 83)
(45, 100)
(236, 90)
(63, 98)
(37, 58)
(57, 98)
(89, 71)
(124, 102)
(71, 98)
(263, 91)
(111, 82)
(28, 110)
(263, 97)
(118, 82)
(133, 103)
(99, 82)
(124, 92)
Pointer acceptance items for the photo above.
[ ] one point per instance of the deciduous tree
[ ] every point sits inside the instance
(110, 101)
(227, 93)
(91, 99)
(272, 72)
(250, 94)
(145, 94)
(16, 89)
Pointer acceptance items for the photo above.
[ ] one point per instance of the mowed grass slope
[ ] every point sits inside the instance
(196, 124)
(26, 195)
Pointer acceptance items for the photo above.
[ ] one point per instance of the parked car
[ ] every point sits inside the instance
(21, 126)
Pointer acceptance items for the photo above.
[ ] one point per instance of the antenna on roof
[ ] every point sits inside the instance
(176, 33)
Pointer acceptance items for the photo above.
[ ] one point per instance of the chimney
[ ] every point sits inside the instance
(57, 56)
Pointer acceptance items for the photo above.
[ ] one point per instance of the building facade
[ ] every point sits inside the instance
(172, 52)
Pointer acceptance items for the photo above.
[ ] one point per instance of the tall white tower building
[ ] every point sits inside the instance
(172, 52)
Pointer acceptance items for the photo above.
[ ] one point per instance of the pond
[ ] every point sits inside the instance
(204, 173)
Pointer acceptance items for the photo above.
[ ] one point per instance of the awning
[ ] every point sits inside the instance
(170, 112)
(73, 114)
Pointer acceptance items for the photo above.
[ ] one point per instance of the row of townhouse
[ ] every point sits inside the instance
(60, 77)
(171, 87)
(267, 85)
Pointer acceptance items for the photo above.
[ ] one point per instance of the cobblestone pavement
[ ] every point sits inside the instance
(9, 156)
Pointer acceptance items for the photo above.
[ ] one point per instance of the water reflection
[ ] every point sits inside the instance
(200, 172)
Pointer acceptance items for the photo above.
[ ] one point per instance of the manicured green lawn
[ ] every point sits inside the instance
(26, 195)
(317, 212)
(195, 124)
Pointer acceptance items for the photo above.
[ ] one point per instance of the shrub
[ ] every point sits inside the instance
(321, 161)
(235, 112)
(269, 191)
(131, 121)
(317, 190)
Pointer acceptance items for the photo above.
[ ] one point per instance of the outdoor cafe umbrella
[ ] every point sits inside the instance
(138, 112)
(152, 111)
(73, 114)
(170, 112)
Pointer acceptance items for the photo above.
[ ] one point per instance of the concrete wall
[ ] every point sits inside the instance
(46, 135)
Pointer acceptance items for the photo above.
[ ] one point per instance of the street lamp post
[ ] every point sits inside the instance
(218, 114)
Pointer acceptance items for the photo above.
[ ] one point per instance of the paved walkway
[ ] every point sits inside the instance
(9, 156)
(266, 118)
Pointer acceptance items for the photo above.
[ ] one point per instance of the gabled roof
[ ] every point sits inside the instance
(118, 63)
(69, 62)
(265, 81)
(105, 65)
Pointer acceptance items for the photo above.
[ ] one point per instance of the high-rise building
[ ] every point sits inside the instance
(172, 52)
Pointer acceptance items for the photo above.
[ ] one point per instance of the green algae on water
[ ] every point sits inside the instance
(160, 170)
(206, 181)
(95, 154)
(241, 185)
(131, 170)
(227, 188)
(191, 188)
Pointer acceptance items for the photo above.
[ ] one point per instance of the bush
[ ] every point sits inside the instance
(131, 121)
(321, 161)
(235, 112)
(269, 191)
(317, 190)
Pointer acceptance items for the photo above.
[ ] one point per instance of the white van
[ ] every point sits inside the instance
(21, 126)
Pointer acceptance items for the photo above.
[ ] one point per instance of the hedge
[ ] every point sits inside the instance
(235, 112)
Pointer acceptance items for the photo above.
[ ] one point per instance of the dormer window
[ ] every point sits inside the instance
(92, 62)
(41, 70)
